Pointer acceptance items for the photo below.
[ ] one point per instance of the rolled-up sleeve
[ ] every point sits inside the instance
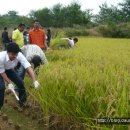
(23, 60)
(2, 68)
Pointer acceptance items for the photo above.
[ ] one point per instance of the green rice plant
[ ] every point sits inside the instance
(85, 83)
(59, 43)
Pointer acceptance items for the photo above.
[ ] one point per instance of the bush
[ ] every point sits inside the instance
(69, 32)
(76, 32)
(115, 31)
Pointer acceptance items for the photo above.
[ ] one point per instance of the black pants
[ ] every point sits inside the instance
(12, 75)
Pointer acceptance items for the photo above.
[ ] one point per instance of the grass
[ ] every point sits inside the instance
(87, 82)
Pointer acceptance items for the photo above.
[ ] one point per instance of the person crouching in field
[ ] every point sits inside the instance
(71, 42)
(8, 61)
(34, 55)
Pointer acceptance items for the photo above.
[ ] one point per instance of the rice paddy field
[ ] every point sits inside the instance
(85, 83)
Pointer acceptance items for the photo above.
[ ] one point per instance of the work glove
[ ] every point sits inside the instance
(36, 84)
(11, 88)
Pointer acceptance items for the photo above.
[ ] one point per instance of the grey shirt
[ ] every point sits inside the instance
(30, 50)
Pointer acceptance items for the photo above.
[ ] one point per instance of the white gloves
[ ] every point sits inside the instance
(11, 88)
(36, 84)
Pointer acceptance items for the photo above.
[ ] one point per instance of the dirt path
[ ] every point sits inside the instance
(13, 118)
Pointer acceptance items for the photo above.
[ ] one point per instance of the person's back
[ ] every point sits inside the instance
(29, 51)
(71, 41)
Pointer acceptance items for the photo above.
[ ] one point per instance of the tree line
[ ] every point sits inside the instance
(59, 16)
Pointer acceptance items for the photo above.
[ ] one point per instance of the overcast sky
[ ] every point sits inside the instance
(23, 7)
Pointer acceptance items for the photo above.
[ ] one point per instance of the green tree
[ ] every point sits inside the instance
(57, 16)
(62, 16)
(13, 13)
(108, 14)
(12, 19)
(74, 15)
(125, 10)
(43, 15)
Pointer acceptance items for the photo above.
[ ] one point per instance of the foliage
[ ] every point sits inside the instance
(113, 30)
(62, 16)
(115, 14)
(111, 21)
(12, 19)
(57, 16)
(85, 83)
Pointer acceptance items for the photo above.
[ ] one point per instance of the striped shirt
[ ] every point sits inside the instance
(30, 50)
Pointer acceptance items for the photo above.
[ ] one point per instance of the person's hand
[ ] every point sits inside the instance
(36, 84)
(11, 87)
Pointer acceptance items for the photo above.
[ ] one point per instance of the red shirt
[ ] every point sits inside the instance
(37, 37)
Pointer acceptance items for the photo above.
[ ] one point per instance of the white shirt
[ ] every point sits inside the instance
(30, 50)
(6, 63)
(70, 41)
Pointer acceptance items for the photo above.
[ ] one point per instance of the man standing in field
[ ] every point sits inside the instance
(48, 40)
(8, 62)
(25, 34)
(37, 36)
(5, 37)
(17, 35)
